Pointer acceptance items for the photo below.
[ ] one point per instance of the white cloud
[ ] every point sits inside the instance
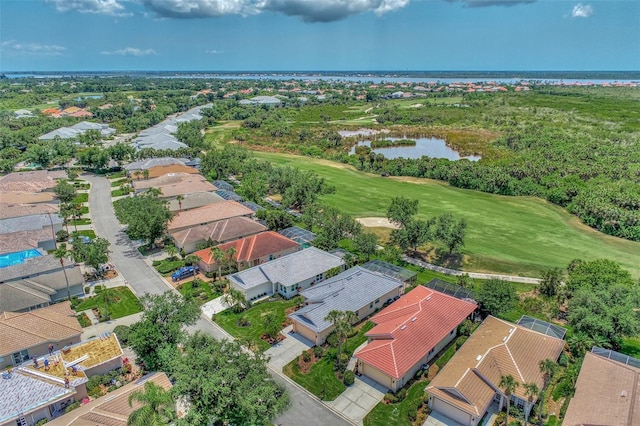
(306, 10)
(485, 3)
(201, 8)
(104, 7)
(214, 52)
(130, 51)
(581, 11)
(15, 47)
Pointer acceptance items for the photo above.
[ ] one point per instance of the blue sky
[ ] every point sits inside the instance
(219, 35)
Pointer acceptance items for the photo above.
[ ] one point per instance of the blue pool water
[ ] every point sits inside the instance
(18, 257)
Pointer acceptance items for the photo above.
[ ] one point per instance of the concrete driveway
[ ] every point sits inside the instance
(287, 350)
(359, 398)
(437, 419)
(213, 307)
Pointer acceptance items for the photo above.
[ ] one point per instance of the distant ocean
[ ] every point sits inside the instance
(507, 77)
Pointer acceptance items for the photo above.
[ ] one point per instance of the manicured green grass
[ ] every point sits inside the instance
(204, 290)
(355, 341)
(631, 347)
(127, 303)
(84, 210)
(119, 193)
(117, 182)
(320, 381)
(167, 266)
(516, 235)
(227, 320)
(81, 198)
(87, 233)
(80, 221)
(397, 414)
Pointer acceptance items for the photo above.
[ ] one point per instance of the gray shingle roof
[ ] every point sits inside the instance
(28, 223)
(152, 162)
(15, 297)
(288, 270)
(350, 290)
(161, 135)
(32, 266)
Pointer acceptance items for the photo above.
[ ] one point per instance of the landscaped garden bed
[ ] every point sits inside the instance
(167, 266)
(84, 320)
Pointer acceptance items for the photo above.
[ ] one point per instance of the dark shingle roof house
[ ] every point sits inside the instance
(351, 290)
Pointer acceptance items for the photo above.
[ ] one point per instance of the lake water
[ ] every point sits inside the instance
(430, 147)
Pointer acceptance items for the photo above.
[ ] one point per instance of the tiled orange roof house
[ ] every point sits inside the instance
(409, 333)
(250, 251)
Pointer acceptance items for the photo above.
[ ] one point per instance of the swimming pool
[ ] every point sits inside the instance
(10, 259)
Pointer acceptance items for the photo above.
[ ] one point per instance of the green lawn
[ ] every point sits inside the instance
(119, 192)
(203, 292)
(117, 182)
(87, 233)
(320, 381)
(355, 341)
(127, 303)
(227, 320)
(84, 210)
(397, 414)
(631, 347)
(84, 221)
(517, 235)
(167, 266)
(81, 198)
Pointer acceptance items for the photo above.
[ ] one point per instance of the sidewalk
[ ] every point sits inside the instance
(108, 326)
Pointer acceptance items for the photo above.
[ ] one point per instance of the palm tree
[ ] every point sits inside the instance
(154, 192)
(192, 260)
(108, 297)
(509, 385)
(171, 250)
(157, 406)
(145, 173)
(218, 256)
(342, 321)
(179, 198)
(548, 369)
(531, 390)
(60, 253)
(235, 299)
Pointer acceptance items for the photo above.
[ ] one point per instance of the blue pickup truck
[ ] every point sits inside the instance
(184, 272)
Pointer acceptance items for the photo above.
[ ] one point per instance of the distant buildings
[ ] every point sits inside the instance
(77, 130)
(161, 136)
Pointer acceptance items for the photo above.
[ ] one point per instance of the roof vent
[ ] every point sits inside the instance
(479, 357)
(403, 327)
(511, 330)
(414, 319)
(504, 339)
(623, 394)
(428, 298)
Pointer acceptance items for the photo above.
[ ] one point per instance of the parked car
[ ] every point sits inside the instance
(184, 272)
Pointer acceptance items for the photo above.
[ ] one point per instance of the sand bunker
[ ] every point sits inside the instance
(376, 222)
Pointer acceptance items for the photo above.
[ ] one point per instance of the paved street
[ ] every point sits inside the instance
(305, 409)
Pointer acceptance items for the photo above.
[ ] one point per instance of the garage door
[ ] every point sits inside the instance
(451, 412)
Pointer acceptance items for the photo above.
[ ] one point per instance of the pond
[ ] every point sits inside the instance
(430, 147)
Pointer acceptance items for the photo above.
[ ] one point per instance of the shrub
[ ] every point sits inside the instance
(122, 331)
(87, 289)
(332, 339)
(564, 360)
(352, 332)
(401, 394)
(390, 397)
(41, 422)
(461, 341)
(243, 322)
(344, 360)
(72, 407)
(318, 351)
(62, 235)
(349, 378)
(306, 356)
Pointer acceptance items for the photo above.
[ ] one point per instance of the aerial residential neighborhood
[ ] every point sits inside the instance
(319, 213)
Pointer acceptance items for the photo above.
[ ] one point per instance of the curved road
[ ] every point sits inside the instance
(305, 409)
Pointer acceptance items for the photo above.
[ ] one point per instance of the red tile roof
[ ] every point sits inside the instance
(410, 327)
(252, 247)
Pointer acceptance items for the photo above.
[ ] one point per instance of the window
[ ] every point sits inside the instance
(371, 305)
(293, 287)
(377, 301)
(270, 257)
(431, 351)
(20, 357)
(319, 277)
(453, 331)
